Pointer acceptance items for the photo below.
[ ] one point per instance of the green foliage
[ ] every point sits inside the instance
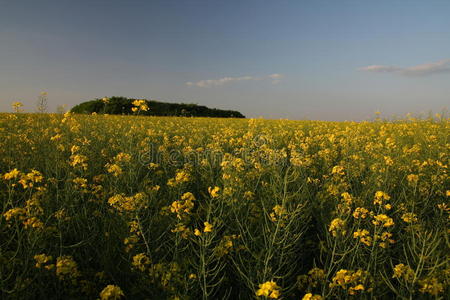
(123, 106)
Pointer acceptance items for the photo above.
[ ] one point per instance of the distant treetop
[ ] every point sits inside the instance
(128, 106)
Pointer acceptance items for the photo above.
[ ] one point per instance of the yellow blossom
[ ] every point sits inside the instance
(184, 205)
(14, 174)
(111, 292)
(42, 259)
(66, 267)
(431, 286)
(360, 212)
(208, 227)
(380, 197)
(214, 192)
(268, 289)
(15, 212)
(402, 271)
(347, 198)
(383, 220)
(409, 217)
(338, 170)
(140, 261)
(337, 225)
(412, 179)
(310, 296)
(17, 106)
(364, 237)
(114, 169)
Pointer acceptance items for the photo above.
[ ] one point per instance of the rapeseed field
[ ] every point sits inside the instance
(130, 207)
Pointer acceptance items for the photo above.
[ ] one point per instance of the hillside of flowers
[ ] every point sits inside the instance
(133, 207)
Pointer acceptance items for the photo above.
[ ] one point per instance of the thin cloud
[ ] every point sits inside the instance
(276, 78)
(442, 66)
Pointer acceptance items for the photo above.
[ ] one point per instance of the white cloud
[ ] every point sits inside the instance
(441, 66)
(276, 78)
(221, 81)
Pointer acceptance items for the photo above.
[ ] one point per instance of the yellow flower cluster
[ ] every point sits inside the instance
(277, 213)
(66, 268)
(380, 197)
(111, 292)
(268, 289)
(79, 160)
(363, 236)
(382, 220)
(337, 226)
(16, 212)
(183, 206)
(412, 179)
(139, 105)
(28, 215)
(14, 174)
(409, 217)
(360, 212)
(141, 261)
(184, 231)
(402, 271)
(310, 296)
(26, 180)
(181, 176)
(214, 192)
(128, 204)
(431, 286)
(226, 245)
(17, 106)
(352, 281)
(42, 260)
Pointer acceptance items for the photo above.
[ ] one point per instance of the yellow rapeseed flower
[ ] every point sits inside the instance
(409, 217)
(111, 292)
(208, 227)
(268, 289)
(337, 225)
(402, 271)
(214, 192)
(360, 212)
(14, 174)
(310, 296)
(66, 267)
(140, 261)
(383, 220)
(380, 197)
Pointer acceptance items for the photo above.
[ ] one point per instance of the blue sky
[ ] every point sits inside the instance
(328, 60)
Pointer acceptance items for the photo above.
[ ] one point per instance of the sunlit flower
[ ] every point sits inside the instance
(268, 289)
(214, 192)
(208, 227)
(402, 271)
(383, 220)
(360, 212)
(310, 296)
(337, 225)
(409, 217)
(380, 197)
(14, 174)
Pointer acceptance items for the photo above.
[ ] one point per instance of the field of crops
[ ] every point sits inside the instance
(135, 207)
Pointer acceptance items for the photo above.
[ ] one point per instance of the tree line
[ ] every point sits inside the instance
(124, 106)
